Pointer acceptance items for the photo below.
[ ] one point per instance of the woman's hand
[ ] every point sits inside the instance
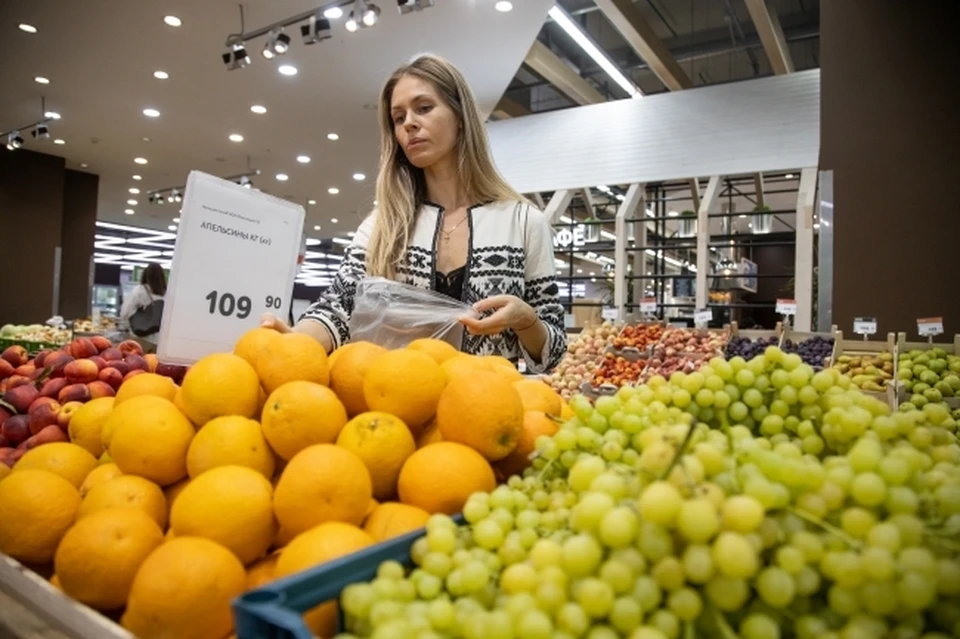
(511, 313)
(269, 320)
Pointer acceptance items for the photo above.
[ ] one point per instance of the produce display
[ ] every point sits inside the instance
(748, 348)
(929, 376)
(583, 356)
(867, 372)
(618, 370)
(756, 499)
(683, 350)
(815, 351)
(640, 336)
(89, 326)
(35, 333)
(168, 501)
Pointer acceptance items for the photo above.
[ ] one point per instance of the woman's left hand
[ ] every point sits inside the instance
(511, 313)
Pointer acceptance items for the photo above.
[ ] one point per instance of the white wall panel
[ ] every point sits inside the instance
(768, 124)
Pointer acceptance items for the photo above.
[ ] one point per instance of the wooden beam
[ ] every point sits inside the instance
(803, 267)
(695, 193)
(771, 36)
(557, 205)
(507, 108)
(709, 200)
(549, 65)
(758, 187)
(635, 29)
(633, 197)
(539, 200)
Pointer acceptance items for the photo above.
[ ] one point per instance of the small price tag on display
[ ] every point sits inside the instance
(702, 317)
(609, 314)
(930, 326)
(235, 258)
(648, 305)
(865, 326)
(787, 307)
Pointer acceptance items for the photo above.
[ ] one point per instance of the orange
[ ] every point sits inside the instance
(535, 424)
(70, 461)
(383, 443)
(173, 491)
(231, 440)
(150, 438)
(4, 471)
(178, 402)
(87, 423)
(438, 349)
(37, 507)
(463, 364)
(146, 384)
(99, 475)
(184, 589)
(262, 571)
(322, 483)
(231, 505)
(503, 367)
(537, 396)
(55, 582)
(99, 557)
(404, 383)
(347, 373)
(300, 414)
(219, 384)
(430, 435)
(391, 520)
(440, 477)
(252, 343)
(292, 357)
(373, 506)
(126, 491)
(484, 412)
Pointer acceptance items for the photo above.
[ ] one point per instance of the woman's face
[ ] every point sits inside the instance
(425, 126)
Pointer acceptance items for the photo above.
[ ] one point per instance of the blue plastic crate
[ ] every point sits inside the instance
(275, 610)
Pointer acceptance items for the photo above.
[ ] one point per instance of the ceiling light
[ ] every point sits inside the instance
(672, 214)
(351, 24)
(333, 13)
(84, 165)
(579, 36)
(351, 234)
(135, 191)
(29, 28)
(316, 29)
(409, 6)
(277, 44)
(151, 113)
(177, 220)
(161, 75)
(245, 182)
(789, 176)
(333, 136)
(41, 132)
(132, 202)
(503, 6)
(316, 227)
(59, 141)
(137, 177)
(334, 220)
(172, 227)
(236, 58)
(235, 137)
(303, 159)
(53, 115)
(41, 80)
(14, 141)
(741, 217)
(817, 225)
(333, 190)
(128, 211)
(173, 21)
(283, 177)
(140, 160)
(311, 202)
(287, 69)
(258, 109)
(359, 177)
(370, 15)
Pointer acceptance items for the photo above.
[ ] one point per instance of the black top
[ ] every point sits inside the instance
(451, 284)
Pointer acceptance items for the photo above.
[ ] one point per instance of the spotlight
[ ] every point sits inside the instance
(236, 58)
(277, 44)
(316, 30)
(409, 6)
(41, 132)
(14, 141)
(370, 15)
(245, 182)
(351, 24)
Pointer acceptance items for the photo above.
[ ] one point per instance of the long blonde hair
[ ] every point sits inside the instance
(402, 187)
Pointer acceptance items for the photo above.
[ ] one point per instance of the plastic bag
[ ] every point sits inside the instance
(393, 314)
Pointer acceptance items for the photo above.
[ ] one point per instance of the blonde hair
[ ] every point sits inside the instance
(402, 187)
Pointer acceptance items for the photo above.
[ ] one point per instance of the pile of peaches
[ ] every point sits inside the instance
(39, 395)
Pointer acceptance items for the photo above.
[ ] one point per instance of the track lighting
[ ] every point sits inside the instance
(245, 182)
(41, 132)
(316, 30)
(14, 141)
(351, 24)
(409, 6)
(237, 57)
(277, 44)
(370, 15)
(361, 16)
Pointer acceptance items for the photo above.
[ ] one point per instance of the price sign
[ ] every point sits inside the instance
(930, 326)
(235, 258)
(865, 325)
(702, 317)
(609, 314)
(787, 307)
(648, 305)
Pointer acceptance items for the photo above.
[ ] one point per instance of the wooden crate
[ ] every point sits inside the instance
(860, 346)
(755, 333)
(951, 348)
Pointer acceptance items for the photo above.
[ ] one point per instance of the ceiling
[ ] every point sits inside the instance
(100, 56)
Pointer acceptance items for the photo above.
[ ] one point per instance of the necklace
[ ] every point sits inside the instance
(447, 233)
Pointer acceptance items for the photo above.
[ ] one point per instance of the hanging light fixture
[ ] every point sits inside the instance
(277, 44)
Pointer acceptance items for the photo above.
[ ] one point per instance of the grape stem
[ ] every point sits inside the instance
(828, 527)
(688, 631)
(725, 630)
(680, 451)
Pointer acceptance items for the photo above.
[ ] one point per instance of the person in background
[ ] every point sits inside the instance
(446, 220)
(152, 287)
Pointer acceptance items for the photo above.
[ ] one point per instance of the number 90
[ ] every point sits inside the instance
(273, 302)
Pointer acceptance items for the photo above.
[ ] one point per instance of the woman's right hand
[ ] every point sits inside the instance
(269, 320)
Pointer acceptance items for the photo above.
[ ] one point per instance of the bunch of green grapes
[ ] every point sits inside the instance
(757, 500)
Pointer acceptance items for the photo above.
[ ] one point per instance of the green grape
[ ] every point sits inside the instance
(948, 577)
(618, 575)
(879, 598)
(698, 520)
(595, 597)
(742, 513)
(475, 510)
(727, 594)
(843, 601)
(534, 624)
(685, 603)
(584, 472)
(680, 398)
(868, 489)
(771, 425)
(776, 587)
(581, 555)
(734, 556)
(518, 578)
(865, 455)
(857, 522)
(752, 398)
(916, 591)
(877, 563)
(488, 534)
(618, 528)
(625, 614)
(809, 544)
(848, 572)
(738, 411)
(807, 581)
(791, 559)
(586, 515)
(822, 381)
(789, 395)
(745, 378)
(669, 573)
(666, 622)
(698, 563)
(917, 560)
(572, 619)
(884, 535)
(660, 503)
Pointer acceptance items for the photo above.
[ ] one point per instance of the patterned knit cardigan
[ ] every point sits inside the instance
(510, 253)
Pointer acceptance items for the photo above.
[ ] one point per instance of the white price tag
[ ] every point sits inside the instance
(865, 325)
(787, 307)
(235, 258)
(930, 326)
(609, 314)
(648, 305)
(702, 317)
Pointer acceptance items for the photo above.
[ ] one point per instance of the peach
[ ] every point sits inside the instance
(137, 362)
(16, 429)
(40, 357)
(74, 393)
(4, 414)
(16, 355)
(52, 387)
(99, 361)
(66, 412)
(120, 365)
(152, 362)
(81, 371)
(101, 342)
(100, 389)
(6, 369)
(16, 380)
(48, 435)
(111, 376)
(56, 362)
(4, 443)
(133, 373)
(173, 371)
(130, 346)
(43, 412)
(112, 354)
(82, 347)
(26, 370)
(21, 397)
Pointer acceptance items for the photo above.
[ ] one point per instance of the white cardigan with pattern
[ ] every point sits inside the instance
(510, 253)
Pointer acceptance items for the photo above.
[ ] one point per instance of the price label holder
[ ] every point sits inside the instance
(609, 314)
(702, 317)
(787, 307)
(930, 327)
(865, 326)
(235, 258)
(648, 306)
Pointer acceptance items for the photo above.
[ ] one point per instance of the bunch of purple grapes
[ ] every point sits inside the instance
(748, 349)
(815, 351)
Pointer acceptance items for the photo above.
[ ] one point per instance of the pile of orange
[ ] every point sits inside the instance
(265, 461)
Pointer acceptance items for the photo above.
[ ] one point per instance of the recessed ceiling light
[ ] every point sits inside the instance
(172, 227)
(359, 177)
(84, 165)
(59, 141)
(351, 234)
(503, 6)
(177, 220)
(134, 190)
(151, 113)
(137, 177)
(173, 21)
(41, 80)
(333, 136)
(140, 160)
(287, 69)
(128, 211)
(334, 220)
(29, 28)
(333, 13)
(742, 217)
(303, 159)
(789, 176)
(236, 137)
(259, 109)
(316, 227)
(333, 190)
(132, 202)
(283, 177)
(161, 75)
(311, 202)
(53, 115)
(672, 214)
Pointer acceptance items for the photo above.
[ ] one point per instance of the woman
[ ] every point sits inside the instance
(152, 287)
(448, 221)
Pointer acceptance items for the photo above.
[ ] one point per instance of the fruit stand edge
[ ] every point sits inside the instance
(62, 616)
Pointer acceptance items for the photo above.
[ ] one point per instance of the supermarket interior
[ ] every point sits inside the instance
(698, 376)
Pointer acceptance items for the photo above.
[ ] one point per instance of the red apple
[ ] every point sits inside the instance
(130, 346)
(52, 387)
(74, 393)
(100, 389)
(133, 373)
(21, 397)
(16, 429)
(111, 376)
(173, 371)
(101, 342)
(82, 347)
(6, 369)
(16, 355)
(112, 354)
(80, 371)
(137, 362)
(66, 412)
(40, 357)
(99, 361)
(56, 361)
(120, 365)
(43, 412)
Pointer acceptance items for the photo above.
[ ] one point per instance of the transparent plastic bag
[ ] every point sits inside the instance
(393, 314)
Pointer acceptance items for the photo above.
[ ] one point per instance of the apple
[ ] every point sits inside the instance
(82, 347)
(100, 389)
(74, 393)
(111, 376)
(16, 355)
(99, 361)
(173, 371)
(21, 397)
(112, 354)
(16, 429)
(133, 373)
(40, 357)
(101, 342)
(137, 362)
(66, 412)
(6, 369)
(52, 387)
(81, 371)
(130, 346)
(56, 361)
(43, 412)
